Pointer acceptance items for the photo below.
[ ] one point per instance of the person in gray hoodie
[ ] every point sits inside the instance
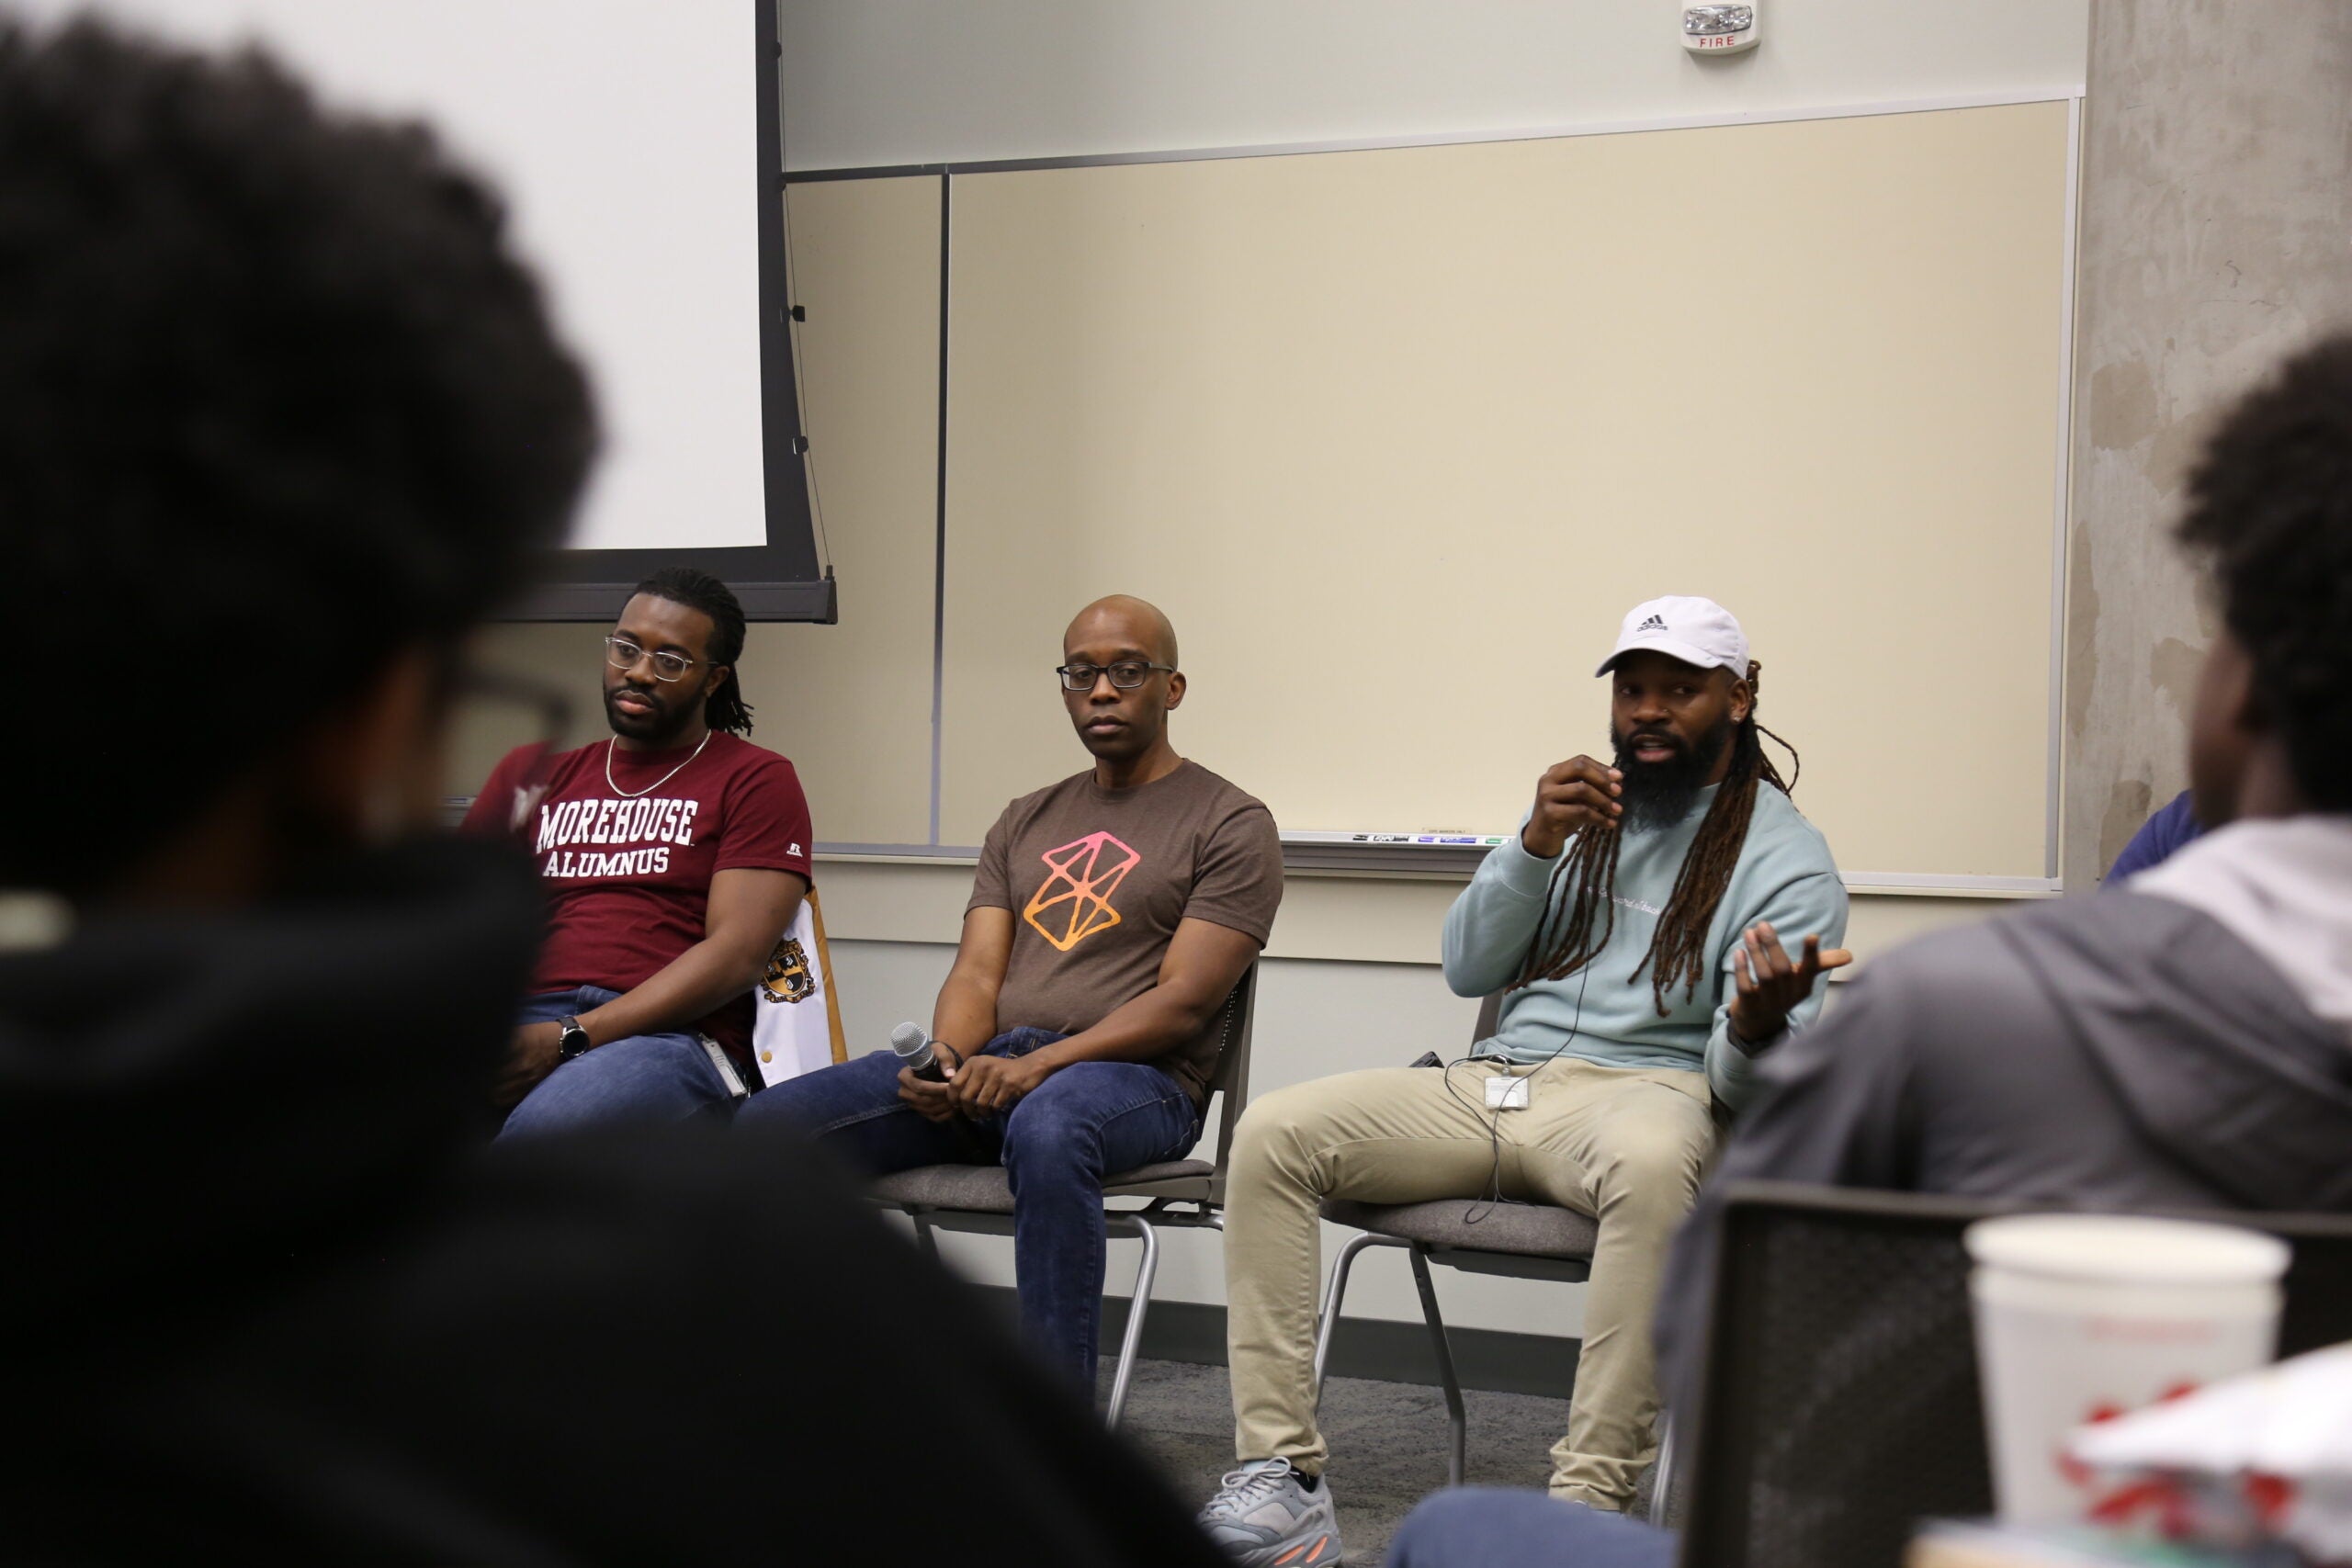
(2185, 1041)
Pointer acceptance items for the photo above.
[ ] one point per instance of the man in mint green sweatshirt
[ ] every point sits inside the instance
(1636, 927)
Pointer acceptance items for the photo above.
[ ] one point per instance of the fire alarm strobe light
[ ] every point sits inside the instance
(1719, 29)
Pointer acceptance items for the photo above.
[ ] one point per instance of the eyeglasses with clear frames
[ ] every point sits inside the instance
(1127, 675)
(623, 654)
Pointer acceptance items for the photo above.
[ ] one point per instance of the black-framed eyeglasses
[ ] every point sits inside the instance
(623, 654)
(1127, 675)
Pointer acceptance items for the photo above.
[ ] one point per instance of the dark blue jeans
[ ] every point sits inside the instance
(644, 1078)
(1478, 1525)
(1090, 1119)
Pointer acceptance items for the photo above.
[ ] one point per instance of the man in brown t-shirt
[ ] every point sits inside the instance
(1111, 916)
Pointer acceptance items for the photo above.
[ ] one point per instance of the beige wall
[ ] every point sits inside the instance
(852, 702)
(2217, 196)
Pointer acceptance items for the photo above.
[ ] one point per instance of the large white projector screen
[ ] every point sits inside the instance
(623, 135)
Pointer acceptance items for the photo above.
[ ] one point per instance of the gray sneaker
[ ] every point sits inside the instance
(1264, 1516)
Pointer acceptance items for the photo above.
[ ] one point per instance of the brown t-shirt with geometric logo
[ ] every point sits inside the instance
(1097, 880)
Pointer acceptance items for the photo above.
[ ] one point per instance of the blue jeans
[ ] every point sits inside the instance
(644, 1078)
(1481, 1525)
(1090, 1119)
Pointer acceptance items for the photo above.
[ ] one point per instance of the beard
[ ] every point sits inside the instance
(653, 730)
(1659, 794)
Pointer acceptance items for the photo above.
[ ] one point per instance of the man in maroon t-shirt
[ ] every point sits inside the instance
(675, 855)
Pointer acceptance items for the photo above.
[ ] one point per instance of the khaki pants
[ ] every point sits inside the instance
(1623, 1145)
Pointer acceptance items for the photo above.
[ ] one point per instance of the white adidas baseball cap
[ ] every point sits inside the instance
(1697, 631)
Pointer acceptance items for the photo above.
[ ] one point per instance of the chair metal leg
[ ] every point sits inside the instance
(1454, 1410)
(1662, 1479)
(1332, 1295)
(1137, 1304)
(924, 1237)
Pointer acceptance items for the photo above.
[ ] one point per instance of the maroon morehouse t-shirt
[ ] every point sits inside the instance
(627, 872)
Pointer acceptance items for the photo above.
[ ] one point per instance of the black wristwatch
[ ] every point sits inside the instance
(572, 1041)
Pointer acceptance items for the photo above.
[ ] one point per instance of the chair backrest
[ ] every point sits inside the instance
(1839, 1404)
(1238, 1018)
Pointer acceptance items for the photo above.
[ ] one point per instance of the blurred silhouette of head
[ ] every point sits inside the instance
(281, 418)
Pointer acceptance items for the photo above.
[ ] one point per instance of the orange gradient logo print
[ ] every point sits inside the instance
(1075, 900)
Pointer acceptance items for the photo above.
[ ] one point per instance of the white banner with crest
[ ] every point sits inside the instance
(795, 1026)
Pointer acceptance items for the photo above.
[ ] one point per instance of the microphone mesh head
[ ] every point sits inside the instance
(907, 1039)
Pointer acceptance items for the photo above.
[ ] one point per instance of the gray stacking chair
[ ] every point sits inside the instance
(1522, 1241)
(977, 1199)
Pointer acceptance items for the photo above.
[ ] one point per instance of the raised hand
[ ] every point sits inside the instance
(1770, 985)
(1577, 793)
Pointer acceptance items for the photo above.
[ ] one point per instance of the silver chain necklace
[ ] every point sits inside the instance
(657, 783)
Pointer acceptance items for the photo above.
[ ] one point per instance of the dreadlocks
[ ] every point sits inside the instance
(1574, 931)
(725, 708)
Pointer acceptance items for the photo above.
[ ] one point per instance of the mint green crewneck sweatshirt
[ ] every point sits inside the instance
(1602, 1014)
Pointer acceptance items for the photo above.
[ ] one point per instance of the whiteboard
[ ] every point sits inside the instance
(1428, 420)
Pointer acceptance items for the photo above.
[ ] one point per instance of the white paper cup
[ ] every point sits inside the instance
(2080, 1318)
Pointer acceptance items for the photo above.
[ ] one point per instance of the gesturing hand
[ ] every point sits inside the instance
(1770, 985)
(986, 1085)
(1577, 795)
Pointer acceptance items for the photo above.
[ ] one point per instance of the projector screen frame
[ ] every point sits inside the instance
(784, 578)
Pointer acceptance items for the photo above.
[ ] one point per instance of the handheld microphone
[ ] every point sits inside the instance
(913, 1048)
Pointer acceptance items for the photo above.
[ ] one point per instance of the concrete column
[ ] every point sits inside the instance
(2216, 237)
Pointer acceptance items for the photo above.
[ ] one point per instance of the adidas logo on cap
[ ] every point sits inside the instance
(1696, 631)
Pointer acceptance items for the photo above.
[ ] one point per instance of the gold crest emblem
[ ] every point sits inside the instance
(788, 978)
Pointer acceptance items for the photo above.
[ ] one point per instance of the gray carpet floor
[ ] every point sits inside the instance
(1388, 1442)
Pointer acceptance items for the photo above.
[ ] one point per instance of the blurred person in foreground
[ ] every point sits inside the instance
(2182, 1043)
(280, 419)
